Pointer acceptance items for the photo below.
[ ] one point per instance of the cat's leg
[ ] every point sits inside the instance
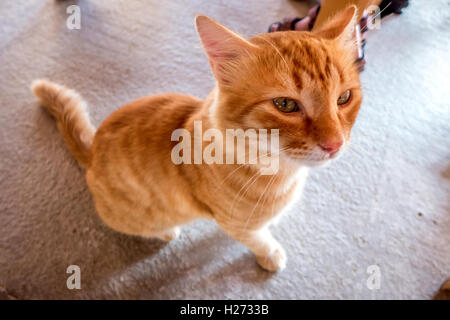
(167, 234)
(269, 253)
(136, 226)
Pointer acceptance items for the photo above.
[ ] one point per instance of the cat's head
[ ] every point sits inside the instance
(304, 84)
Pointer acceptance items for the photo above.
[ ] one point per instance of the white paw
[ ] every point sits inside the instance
(275, 261)
(169, 234)
(276, 220)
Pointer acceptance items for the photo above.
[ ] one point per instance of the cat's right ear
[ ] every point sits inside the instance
(340, 27)
(222, 45)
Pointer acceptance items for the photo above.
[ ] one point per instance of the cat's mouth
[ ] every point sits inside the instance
(311, 158)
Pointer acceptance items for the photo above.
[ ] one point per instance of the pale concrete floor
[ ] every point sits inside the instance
(384, 203)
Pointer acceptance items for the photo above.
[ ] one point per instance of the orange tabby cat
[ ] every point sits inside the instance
(304, 84)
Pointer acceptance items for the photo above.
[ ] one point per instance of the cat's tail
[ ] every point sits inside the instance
(69, 110)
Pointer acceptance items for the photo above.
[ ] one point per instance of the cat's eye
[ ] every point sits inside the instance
(344, 98)
(285, 105)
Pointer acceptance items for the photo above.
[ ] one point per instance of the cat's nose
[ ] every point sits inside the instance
(331, 146)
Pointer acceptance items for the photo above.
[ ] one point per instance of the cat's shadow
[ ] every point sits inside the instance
(210, 265)
(162, 266)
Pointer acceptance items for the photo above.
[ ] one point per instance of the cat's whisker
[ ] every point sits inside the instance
(358, 152)
(265, 198)
(251, 160)
(259, 199)
(273, 203)
(373, 17)
(247, 186)
(278, 52)
(357, 148)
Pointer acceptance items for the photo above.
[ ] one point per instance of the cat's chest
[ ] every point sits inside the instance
(260, 202)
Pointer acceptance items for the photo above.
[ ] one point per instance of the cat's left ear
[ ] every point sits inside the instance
(341, 27)
(222, 45)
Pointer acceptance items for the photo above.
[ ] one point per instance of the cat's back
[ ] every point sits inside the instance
(165, 111)
(141, 128)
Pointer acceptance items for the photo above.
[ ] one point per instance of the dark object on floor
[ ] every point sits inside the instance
(444, 292)
(392, 6)
(290, 23)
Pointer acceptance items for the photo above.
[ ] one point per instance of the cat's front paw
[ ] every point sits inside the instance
(275, 261)
(169, 234)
